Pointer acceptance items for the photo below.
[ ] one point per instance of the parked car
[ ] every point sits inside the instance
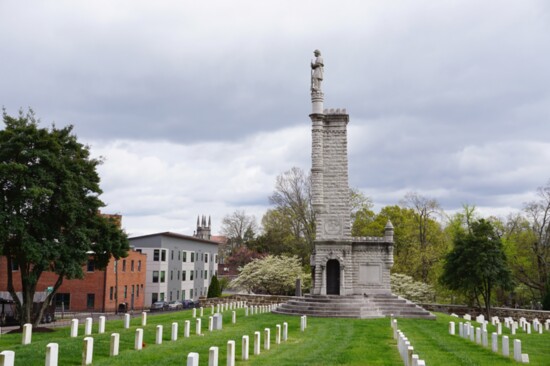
(160, 306)
(188, 304)
(175, 305)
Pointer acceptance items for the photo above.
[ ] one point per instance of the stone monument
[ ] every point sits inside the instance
(351, 276)
(341, 265)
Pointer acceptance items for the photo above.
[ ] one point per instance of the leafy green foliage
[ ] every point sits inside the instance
(274, 275)
(410, 289)
(214, 288)
(477, 264)
(49, 208)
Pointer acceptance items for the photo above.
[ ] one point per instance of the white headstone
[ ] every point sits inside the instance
(257, 342)
(499, 328)
(213, 356)
(230, 353)
(7, 358)
(267, 339)
(27, 334)
(524, 358)
(115, 341)
(88, 326)
(143, 319)
(158, 338)
(484, 338)
(517, 350)
(505, 346)
(467, 317)
(480, 319)
(74, 328)
(198, 326)
(246, 311)
(414, 360)
(233, 317)
(186, 328)
(461, 329)
(452, 328)
(218, 321)
(174, 335)
(212, 309)
(494, 342)
(210, 323)
(88, 351)
(52, 352)
(194, 312)
(138, 341)
(478, 335)
(193, 359)
(278, 334)
(285, 331)
(528, 325)
(201, 311)
(126, 321)
(101, 325)
(245, 348)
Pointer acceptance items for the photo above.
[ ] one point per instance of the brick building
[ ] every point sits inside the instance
(96, 291)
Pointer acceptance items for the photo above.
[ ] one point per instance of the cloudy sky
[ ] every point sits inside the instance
(198, 105)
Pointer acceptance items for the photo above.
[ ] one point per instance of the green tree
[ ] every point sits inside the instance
(477, 264)
(274, 275)
(214, 288)
(49, 209)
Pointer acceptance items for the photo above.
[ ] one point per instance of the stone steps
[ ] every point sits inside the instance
(354, 306)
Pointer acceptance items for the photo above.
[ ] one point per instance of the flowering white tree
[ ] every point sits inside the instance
(410, 289)
(274, 275)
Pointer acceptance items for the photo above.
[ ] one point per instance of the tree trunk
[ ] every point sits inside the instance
(47, 301)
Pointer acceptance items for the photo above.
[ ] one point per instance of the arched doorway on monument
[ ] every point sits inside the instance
(333, 277)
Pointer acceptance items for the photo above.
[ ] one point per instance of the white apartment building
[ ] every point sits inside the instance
(179, 267)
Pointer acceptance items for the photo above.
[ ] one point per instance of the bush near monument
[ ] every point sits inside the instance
(415, 291)
(273, 275)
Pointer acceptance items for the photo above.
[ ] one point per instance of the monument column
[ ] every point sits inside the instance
(323, 280)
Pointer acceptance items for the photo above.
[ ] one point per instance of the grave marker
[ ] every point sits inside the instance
(257, 343)
(101, 326)
(27, 334)
(198, 326)
(138, 341)
(285, 331)
(267, 339)
(505, 346)
(52, 352)
(143, 319)
(74, 328)
(174, 336)
(245, 348)
(517, 350)
(88, 326)
(126, 321)
(193, 359)
(230, 353)
(213, 356)
(158, 338)
(88, 351)
(115, 341)
(186, 328)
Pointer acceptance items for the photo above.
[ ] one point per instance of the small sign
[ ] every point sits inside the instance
(49, 289)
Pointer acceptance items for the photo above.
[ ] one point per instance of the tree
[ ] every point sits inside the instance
(241, 256)
(49, 209)
(477, 264)
(431, 244)
(214, 288)
(292, 198)
(239, 228)
(410, 289)
(273, 275)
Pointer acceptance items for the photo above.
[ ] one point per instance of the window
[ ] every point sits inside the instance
(192, 256)
(156, 255)
(14, 265)
(177, 294)
(138, 250)
(162, 276)
(111, 292)
(170, 295)
(183, 275)
(124, 265)
(125, 291)
(90, 300)
(133, 290)
(139, 265)
(154, 297)
(155, 276)
(171, 258)
(191, 275)
(216, 258)
(163, 256)
(202, 257)
(161, 296)
(171, 276)
(62, 301)
(184, 258)
(178, 278)
(137, 290)
(206, 275)
(183, 295)
(191, 294)
(90, 266)
(179, 258)
(132, 266)
(206, 258)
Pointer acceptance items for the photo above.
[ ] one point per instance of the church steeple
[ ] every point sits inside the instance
(203, 230)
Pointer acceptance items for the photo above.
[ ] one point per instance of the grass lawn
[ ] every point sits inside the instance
(325, 342)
